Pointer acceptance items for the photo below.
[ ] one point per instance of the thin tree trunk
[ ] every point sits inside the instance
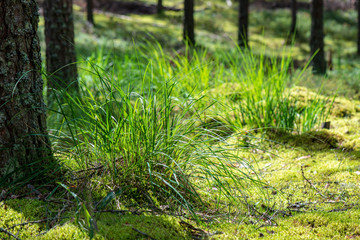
(160, 7)
(293, 20)
(358, 40)
(23, 137)
(60, 46)
(317, 37)
(189, 35)
(243, 23)
(90, 11)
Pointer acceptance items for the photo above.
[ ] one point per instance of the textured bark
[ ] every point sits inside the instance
(160, 7)
(23, 138)
(60, 46)
(243, 23)
(189, 35)
(317, 37)
(90, 11)
(358, 40)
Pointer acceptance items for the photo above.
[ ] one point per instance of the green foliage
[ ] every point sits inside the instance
(169, 128)
(149, 151)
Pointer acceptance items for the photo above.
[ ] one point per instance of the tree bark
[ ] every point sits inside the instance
(358, 40)
(23, 136)
(60, 46)
(90, 11)
(189, 35)
(293, 19)
(243, 23)
(160, 7)
(317, 37)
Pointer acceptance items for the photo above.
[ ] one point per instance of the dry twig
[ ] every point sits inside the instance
(311, 184)
(9, 233)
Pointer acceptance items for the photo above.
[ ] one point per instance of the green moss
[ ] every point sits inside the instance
(14, 212)
(313, 140)
(352, 145)
(231, 91)
(341, 107)
(32, 209)
(113, 226)
(65, 232)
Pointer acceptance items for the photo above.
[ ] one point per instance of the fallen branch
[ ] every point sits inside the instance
(123, 212)
(9, 233)
(311, 184)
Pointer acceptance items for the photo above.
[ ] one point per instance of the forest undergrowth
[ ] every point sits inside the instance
(195, 144)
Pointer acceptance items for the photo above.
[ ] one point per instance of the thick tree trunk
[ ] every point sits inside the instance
(317, 37)
(90, 11)
(293, 19)
(189, 35)
(243, 23)
(358, 40)
(23, 137)
(60, 46)
(160, 7)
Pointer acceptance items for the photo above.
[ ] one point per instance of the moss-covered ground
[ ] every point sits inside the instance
(311, 179)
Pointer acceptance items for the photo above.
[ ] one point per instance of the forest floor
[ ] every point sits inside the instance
(309, 180)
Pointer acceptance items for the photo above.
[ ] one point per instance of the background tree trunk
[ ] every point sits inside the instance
(60, 46)
(90, 11)
(189, 35)
(243, 23)
(160, 7)
(358, 40)
(23, 138)
(317, 37)
(293, 21)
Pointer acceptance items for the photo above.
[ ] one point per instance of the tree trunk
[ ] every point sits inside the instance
(160, 7)
(60, 46)
(90, 11)
(317, 37)
(23, 137)
(293, 20)
(243, 23)
(358, 40)
(189, 35)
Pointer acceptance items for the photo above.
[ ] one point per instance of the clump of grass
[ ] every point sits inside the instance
(253, 89)
(147, 151)
(267, 103)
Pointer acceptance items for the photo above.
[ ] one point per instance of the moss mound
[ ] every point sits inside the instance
(110, 225)
(25, 212)
(313, 140)
(341, 107)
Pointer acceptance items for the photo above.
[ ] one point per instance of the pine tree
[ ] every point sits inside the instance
(60, 46)
(189, 35)
(317, 37)
(24, 145)
(160, 7)
(293, 20)
(358, 40)
(90, 11)
(243, 23)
